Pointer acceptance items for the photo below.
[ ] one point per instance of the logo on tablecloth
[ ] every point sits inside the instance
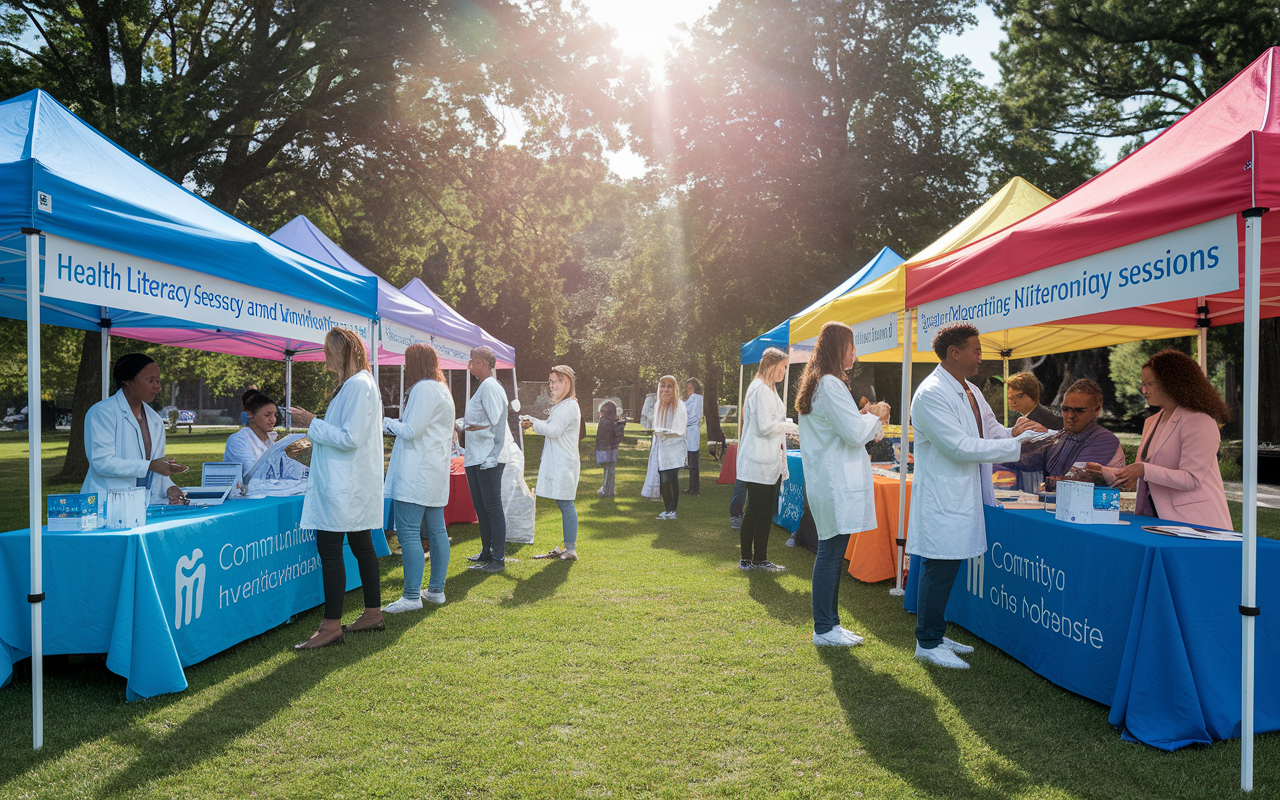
(188, 599)
(974, 575)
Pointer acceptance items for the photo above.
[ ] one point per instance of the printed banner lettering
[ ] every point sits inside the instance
(397, 338)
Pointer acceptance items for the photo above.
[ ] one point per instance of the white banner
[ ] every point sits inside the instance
(397, 338)
(94, 275)
(1193, 262)
(874, 335)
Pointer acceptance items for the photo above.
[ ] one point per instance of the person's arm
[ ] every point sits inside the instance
(991, 427)
(100, 446)
(1200, 440)
(848, 423)
(494, 403)
(354, 428)
(765, 424)
(239, 452)
(557, 423)
(935, 417)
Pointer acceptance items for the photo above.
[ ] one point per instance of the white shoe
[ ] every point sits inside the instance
(433, 597)
(940, 656)
(836, 636)
(663, 515)
(792, 541)
(956, 647)
(404, 604)
(854, 639)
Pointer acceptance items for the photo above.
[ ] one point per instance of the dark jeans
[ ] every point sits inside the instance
(827, 566)
(739, 499)
(334, 570)
(762, 499)
(932, 593)
(486, 497)
(669, 487)
(693, 472)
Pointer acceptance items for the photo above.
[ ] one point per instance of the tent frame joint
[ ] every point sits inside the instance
(1250, 611)
(1256, 211)
(35, 231)
(36, 598)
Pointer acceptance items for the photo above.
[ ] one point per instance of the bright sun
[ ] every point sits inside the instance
(645, 27)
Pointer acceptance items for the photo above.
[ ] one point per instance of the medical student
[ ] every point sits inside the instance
(693, 430)
(247, 445)
(418, 476)
(957, 439)
(124, 436)
(669, 433)
(560, 468)
(837, 470)
(344, 493)
(485, 421)
(762, 458)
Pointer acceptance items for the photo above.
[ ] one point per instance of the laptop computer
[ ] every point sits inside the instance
(217, 480)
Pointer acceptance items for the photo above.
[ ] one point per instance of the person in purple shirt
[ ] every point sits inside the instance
(1085, 439)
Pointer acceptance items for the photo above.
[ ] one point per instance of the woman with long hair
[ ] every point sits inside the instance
(762, 458)
(560, 467)
(837, 469)
(669, 420)
(418, 476)
(344, 492)
(1177, 464)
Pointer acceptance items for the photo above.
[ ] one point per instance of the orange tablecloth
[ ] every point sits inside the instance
(459, 508)
(729, 465)
(873, 554)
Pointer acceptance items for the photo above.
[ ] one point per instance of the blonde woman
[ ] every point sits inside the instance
(418, 476)
(762, 458)
(344, 493)
(837, 469)
(669, 420)
(560, 468)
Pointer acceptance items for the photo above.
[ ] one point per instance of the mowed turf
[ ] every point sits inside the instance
(653, 667)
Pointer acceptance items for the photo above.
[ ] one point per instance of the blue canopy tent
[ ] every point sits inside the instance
(110, 241)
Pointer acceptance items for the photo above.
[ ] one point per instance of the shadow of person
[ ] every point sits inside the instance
(539, 586)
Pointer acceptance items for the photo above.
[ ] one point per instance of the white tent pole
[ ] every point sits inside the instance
(35, 490)
(742, 371)
(904, 416)
(515, 386)
(468, 397)
(1202, 349)
(104, 335)
(1249, 511)
(1006, 391)
(786, 385)
(288, 391)
(401, 390)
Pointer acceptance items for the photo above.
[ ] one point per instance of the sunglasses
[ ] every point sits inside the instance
(1074, 411)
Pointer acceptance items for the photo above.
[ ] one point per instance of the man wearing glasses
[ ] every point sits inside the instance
(1085, 439)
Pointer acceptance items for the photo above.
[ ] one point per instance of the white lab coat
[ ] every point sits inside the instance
(420, 459)
(762, 437)
(561, 466)
(952, 479)
(113, 443)
(837, 469)
(345, 489)
(245, 448)
(487, 407)
(693, 419)
(669, 437)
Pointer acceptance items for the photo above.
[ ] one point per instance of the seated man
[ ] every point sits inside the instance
(1085, 439)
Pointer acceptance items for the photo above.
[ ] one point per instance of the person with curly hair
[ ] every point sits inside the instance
(1177, 464)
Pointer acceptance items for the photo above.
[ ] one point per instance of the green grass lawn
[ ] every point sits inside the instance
(653, 667)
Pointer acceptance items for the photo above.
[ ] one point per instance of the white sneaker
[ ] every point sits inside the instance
(940, 656)
(663, 515)
(791, 542)
(854, 639)
(956, 647)
(836, 636)
(671, 515)
(404, 604)
(433, 597)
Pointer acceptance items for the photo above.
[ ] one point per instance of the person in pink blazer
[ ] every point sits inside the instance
(1177, 464)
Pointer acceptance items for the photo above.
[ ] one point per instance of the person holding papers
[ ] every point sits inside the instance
(485, 421)
(837, 469)
(1177, 465)
(957, 438)
(124, 436)
(418, 476)
(344, 492)
(762, 458)
(560, 467)
(669, 431)
(247, 445)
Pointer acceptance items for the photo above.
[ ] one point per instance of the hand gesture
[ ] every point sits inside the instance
(1026, 424)
(167, 467)
(301, 417)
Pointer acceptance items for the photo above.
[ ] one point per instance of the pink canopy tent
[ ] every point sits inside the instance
(1217, 168)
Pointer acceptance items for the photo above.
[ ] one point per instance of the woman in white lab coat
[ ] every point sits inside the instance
(837, 469)
(124, 436)
(561, 466)
(693, 430)
(418, 476)
(762, 458)
(247, 445)
(669, 420)
(344, 493)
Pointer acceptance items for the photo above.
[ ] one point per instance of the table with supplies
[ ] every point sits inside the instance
(1146, 624)
(190, 583)
(729, 464)
(873, 554)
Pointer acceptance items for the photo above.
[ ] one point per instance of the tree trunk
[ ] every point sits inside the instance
(1268, 380)
(711, 401)
(88, 391)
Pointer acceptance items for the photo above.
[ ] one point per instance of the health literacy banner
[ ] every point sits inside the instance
(97, 276)
(1193, 262)
(397, 338)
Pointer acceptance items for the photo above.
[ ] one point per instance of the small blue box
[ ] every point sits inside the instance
(74, 512)
(1106, 499)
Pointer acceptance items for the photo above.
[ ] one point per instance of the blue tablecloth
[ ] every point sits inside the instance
(791, 496)
(1146, 624)
(169, 594)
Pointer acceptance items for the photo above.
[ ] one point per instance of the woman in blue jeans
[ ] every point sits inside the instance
(561, 466)
(837, 469)
(418, 476)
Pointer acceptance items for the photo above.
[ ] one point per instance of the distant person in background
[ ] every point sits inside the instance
(1177, 466)
(484, 421)
(1023, 392)
(646, 411)
(737, 502)
(693, 429)
(762, 458)
(608, 437)
(250, 443)
(244, 409)
(418, 476)
(669, 432)
(560, 467)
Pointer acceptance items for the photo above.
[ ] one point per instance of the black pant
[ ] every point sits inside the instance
(486, 498)
(334, 569)
(669, 486)
(693, 472)
(762, 499)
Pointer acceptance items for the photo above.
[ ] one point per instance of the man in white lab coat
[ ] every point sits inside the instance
(957, 438)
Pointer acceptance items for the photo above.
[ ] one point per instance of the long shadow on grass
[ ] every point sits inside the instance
(899, 728)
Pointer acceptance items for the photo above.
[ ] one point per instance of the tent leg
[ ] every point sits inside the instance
(742, 370)
(1006, 391)
(1249, 512)
(288, 391)
(402, 390)
(1202, 349)
(104, 336)
(373, 362)
(35, 496)
(904, 416)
